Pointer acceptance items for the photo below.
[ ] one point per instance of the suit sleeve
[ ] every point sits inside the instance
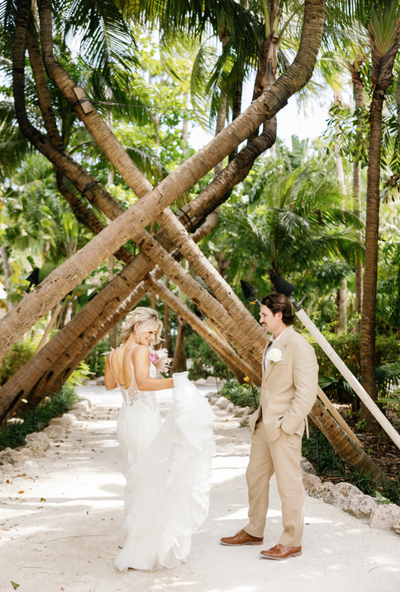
(305, 378)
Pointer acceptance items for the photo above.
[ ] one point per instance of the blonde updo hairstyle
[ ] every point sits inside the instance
(147, 319)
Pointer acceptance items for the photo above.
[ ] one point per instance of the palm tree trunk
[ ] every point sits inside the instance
(100, 197)
(59, 352)
(53, 318)
(342, 308)
(72, 272)
(238, 367)
(381, 76)
(166, 319)
(358, 88)
(98, 129)
(70, 359)
(205, 302)
(113, 332)
(7, 273)
(367, 346)
(179, 358)
(99, 309)
(85, 342)
(220, 288)
(346, 448)
(86, 217)
(299, 73)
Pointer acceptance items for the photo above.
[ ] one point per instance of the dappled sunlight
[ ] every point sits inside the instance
(316, 520)
(385, 562)
(247, 588)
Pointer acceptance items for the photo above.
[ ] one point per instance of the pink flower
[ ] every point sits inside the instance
(160, 360)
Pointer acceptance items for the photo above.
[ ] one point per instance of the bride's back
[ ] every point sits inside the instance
(123, 366)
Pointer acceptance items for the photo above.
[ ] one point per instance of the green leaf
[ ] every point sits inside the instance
(14, 585)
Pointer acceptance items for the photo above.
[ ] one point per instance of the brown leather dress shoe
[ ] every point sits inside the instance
(280, 552)
(241, 538)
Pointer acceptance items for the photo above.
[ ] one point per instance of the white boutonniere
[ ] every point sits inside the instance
(274, 354)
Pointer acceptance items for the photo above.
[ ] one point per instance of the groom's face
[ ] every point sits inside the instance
(268, 320)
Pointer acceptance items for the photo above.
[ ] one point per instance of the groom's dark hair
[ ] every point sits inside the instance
(279, 303)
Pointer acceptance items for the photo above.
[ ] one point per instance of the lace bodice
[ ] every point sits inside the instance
(133, 394)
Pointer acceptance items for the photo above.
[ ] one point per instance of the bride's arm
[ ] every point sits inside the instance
(109, 381)
(141, 362)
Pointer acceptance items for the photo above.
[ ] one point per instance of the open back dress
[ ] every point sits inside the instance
(168, 470)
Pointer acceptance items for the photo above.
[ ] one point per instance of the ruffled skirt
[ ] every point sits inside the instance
(167, 490)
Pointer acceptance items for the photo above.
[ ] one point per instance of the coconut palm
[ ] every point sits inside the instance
(290, 221)
(384, 31)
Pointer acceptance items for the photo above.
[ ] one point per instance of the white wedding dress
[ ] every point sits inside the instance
(168, 470)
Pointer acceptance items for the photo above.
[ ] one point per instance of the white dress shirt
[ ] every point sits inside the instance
(272, 344)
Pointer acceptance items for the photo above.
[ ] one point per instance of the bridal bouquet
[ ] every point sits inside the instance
(159, 358)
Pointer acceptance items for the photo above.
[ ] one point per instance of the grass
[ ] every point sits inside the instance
(332, 466)
(13, 435)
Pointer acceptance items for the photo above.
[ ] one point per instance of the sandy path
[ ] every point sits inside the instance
(68, 542)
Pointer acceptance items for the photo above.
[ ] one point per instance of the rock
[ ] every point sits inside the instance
(315, 487)
(212, 380)
(348, 490)
(55, 432)
(384, 516)
(223, 402)
(210, 394)
(245, 422)
(100, 381)
(240, 411)
(326, 488)
(396, 525)
(14, 456)
(85, 400)
(79, 409)
(312, 484)
(306, 466)
(201, 382)
(339, 494)
(213, 399)
(66, 420)
(360, 505)
(230, 408)
(1, 477)
(38, 443)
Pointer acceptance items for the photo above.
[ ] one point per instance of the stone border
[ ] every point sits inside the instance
(37, 443)
(343, 495)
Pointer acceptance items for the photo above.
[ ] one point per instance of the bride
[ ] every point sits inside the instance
(167, 464)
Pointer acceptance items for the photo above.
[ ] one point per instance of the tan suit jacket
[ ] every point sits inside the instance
(289, 387)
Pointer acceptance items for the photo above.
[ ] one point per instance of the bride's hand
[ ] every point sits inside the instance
(178, 375)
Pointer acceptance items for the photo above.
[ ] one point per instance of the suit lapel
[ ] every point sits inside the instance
(281, 344)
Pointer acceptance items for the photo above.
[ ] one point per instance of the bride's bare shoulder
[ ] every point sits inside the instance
(141, 351)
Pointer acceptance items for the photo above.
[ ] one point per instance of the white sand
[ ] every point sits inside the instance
(69, 541)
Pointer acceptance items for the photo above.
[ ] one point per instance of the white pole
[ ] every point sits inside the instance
(349, 376)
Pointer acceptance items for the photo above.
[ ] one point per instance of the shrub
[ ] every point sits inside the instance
(348, 349)
(13, 435)
(244, 395)
(96, 360)
(331, 465)
(15, 358)
(205, 361)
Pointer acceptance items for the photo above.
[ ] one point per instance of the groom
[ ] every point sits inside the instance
(288, 391)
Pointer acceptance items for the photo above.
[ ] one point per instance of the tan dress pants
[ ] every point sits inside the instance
(281, 457)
